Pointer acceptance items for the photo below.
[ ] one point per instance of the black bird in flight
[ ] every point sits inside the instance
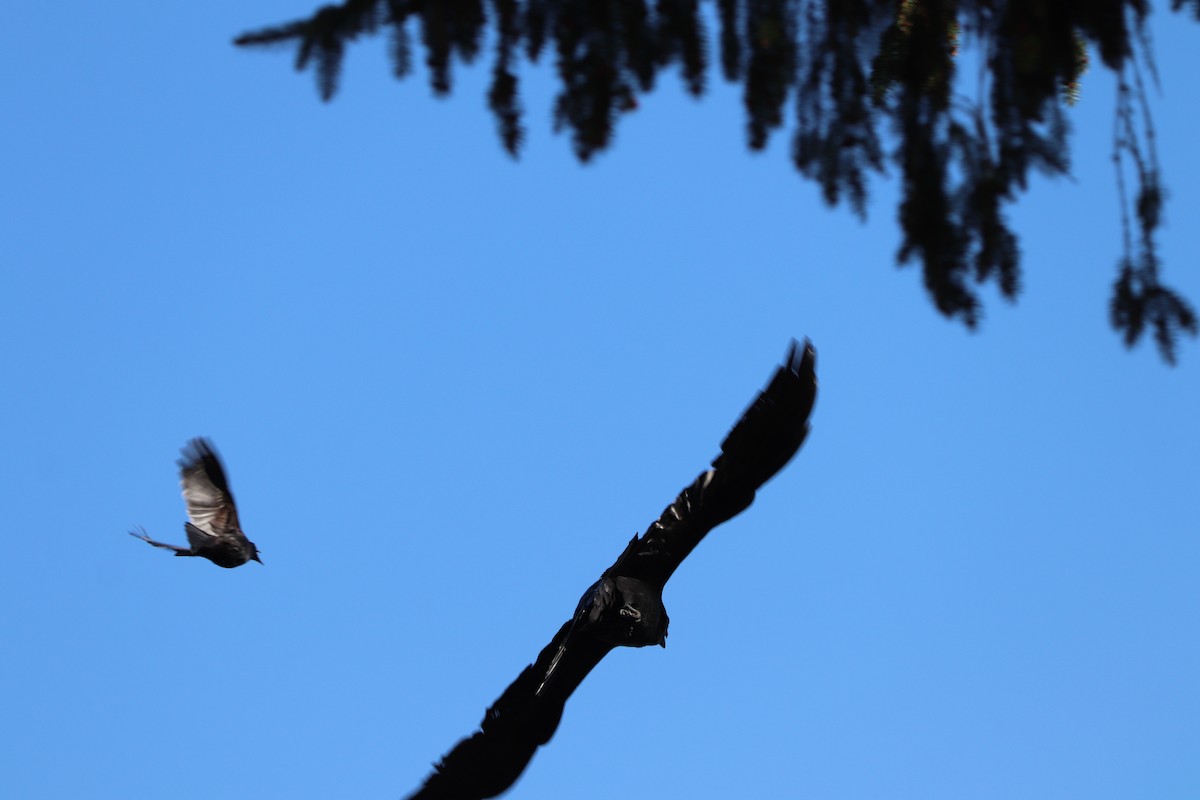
(625, 607)
(213, 531)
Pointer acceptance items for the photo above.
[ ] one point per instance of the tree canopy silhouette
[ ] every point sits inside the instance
(850, 69)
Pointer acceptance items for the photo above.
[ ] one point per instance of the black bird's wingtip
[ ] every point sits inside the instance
(801, 358)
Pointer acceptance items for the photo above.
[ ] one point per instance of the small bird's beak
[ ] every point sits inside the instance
(256, 558)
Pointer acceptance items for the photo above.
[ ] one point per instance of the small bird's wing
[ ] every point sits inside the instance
(210, 504)
(765, 438)
(521, 720)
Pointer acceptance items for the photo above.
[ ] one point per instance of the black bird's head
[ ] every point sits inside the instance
(642, 616)
(626, 612)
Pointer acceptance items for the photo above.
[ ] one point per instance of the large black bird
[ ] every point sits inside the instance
(213, 531)
(625, 607)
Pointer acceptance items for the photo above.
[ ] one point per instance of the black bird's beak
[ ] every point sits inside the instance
(256, 558)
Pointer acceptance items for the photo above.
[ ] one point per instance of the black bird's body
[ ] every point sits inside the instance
(625, 608)
(213, 531)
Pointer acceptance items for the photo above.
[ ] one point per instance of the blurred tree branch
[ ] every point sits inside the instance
(849, 68)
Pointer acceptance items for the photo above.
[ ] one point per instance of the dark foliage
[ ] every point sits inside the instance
(1139, 298)
(1195, 4)
(852, 68)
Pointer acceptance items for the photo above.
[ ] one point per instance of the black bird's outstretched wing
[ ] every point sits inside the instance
(762, 442)
(210, 505)
(624, 607)
(521, 720)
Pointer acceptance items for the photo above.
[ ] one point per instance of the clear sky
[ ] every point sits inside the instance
(448, 387)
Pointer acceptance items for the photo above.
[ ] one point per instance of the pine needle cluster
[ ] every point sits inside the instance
(851, 71)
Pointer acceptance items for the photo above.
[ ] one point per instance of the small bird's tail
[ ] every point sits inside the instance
(140, 533)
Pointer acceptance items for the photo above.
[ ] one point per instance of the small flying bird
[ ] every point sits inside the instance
(625, 608)
(213, 530)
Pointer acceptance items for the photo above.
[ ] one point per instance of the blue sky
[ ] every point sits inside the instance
(448, 387)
